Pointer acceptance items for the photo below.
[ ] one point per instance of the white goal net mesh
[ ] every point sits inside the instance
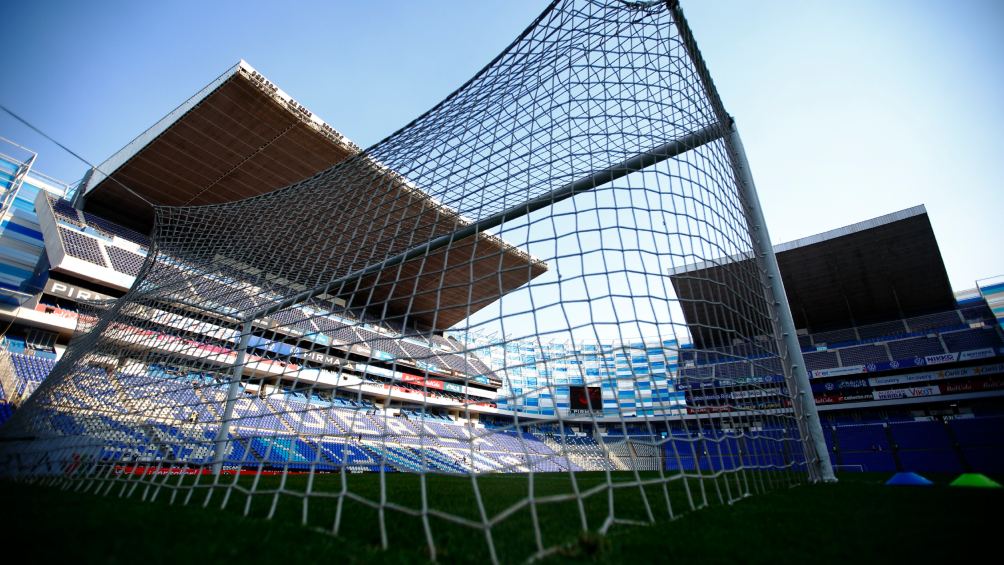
(534, 311)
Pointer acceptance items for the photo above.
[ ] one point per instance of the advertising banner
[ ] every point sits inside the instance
(977, 354)
(904, 379)
(382, 355)
(961, 372)
(839, 371)
(73, 292)
(739, 394)
(838, 397)
(975, 385)
(830, 386)
(913, 392)
(941, 358)
(686, 383)
(420, 381)
(715, 397)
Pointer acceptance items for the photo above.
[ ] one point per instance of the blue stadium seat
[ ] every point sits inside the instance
(930, 461)
(869, 461)
(681, 464)
(971, 432)
(920, 435)
(939, 321)
(866, 437)
(968, 340)
(915, 347)
(882, 331)
(724, 454)
(863, 355)
(6, 411)
(984, 459)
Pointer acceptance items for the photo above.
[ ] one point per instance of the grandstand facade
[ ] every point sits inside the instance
(907, 375)
(21, 241)
(636, 379)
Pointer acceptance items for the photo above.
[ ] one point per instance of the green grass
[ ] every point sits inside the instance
(857, 520)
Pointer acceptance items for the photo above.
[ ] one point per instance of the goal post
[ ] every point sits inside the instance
(796, 375)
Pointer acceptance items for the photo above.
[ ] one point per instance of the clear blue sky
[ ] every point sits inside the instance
(848, 110)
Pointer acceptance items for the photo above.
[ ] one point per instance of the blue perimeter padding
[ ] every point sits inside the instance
(911, 479)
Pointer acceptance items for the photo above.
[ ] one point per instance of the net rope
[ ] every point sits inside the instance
(434, 312)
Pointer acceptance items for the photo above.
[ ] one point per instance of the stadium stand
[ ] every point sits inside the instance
(864, 354)
(112, 229)
(123, 261)
(915, 347)
(66, 212)
(263, 428)
(971, 340)
(435, 443)
(82, 246)
(420, 396)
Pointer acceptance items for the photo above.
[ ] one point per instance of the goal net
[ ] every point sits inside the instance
(542, 308)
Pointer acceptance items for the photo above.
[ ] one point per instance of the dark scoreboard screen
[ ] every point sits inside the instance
(585, 398)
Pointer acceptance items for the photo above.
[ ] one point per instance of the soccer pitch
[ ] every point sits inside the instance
(857, 519)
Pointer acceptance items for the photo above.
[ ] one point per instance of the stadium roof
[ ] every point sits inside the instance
(878, 270)
(241, 137)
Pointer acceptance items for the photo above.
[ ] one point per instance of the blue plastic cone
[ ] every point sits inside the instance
(909, 479)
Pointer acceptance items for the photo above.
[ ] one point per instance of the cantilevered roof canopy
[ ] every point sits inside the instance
(242, 137)
(878, 270)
